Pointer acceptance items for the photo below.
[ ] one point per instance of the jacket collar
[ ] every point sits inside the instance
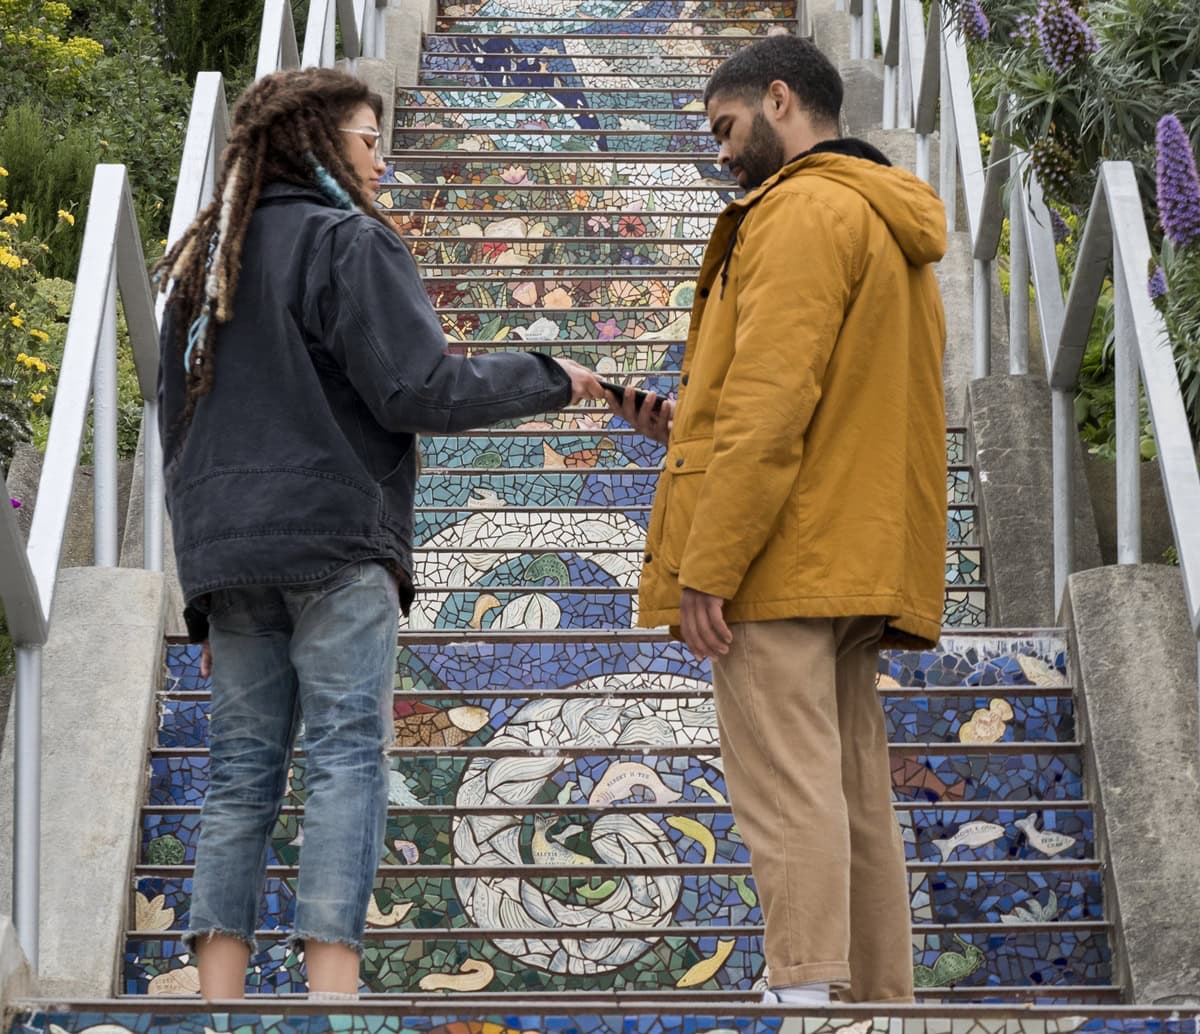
(281, 190)
(848, 147)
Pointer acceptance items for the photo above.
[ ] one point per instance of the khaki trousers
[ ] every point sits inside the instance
(806, 764)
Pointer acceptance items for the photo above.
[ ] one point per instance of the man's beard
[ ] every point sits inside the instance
(762, 156)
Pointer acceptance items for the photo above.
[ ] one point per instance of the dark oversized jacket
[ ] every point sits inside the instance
(303, 459)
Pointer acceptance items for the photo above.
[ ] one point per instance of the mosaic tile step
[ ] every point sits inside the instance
(539, 567)
(572, 120)
(740, 29)
(583, 60)
(519, 663)
(458, 1014)
(550, 962)
(603, 98)
(529, 445)
(539, 248)
(612, 446)
(422, 834)
(484, 524)
(179, 777)
(1008, 717)
(551, 486)
(583, 44)
(704, 9)
(404, 903)
(562, 80)
(519, 289)
(496, 224)
(525, 170)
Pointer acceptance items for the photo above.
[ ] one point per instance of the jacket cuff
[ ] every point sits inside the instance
(559, 381)
(197, 624)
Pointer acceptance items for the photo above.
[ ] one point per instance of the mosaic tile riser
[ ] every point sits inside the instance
(413, 838)
(527, 1021)
(1003, 960)
(1004, 719)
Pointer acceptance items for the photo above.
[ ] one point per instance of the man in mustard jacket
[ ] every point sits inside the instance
(800, 518)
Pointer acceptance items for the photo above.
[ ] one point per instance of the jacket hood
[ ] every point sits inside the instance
(912, 210)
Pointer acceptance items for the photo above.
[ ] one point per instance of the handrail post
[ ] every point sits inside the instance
(27, 799)
(104, 433)
(981, 297)
(1018, 293)
(1128, 415)
(855, 7)
(904, 99)
(868, 30)
(948, 145)
(1062, 432)
(154, 504)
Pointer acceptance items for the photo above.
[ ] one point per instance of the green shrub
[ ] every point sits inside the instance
(46, 176)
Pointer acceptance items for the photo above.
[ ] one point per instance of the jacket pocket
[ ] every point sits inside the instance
(680, 484)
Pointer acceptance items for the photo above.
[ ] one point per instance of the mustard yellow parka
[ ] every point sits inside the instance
(806, 471)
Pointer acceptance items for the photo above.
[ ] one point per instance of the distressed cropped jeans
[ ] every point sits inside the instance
(324, 656)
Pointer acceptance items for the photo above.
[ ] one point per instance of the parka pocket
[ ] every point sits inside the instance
(680, 484)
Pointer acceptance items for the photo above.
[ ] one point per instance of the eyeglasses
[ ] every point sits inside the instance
(373, 138)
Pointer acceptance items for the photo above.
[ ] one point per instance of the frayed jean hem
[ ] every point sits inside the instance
(191, 937)
(297, 940)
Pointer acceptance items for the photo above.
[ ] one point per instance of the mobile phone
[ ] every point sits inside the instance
(639, 396)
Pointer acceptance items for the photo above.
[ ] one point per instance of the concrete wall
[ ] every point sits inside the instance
(15, 979)
(1008, 421)
(101, 668)
(1133, 661)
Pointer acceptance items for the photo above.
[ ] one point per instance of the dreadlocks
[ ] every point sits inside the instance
(285, 127)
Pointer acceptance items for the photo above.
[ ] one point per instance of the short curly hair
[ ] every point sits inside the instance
(809, 74)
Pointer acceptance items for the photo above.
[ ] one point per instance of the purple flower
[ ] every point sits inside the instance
(1059, 226)
(1065, 38)
(16, 503)
(1026, 30)
(975, 22)
(1158, 284)
(1178, 183)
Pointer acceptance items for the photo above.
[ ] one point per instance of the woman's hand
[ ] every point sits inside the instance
(584, 383)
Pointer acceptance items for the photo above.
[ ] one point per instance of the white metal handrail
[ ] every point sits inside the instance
(931, 61)
(112, 261)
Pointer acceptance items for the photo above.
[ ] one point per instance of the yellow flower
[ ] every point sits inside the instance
(66, 217)
(39, 335)
(3, 171)
(16, 321)
(11, 220)
(22, 358)
(3, 204)
(38, 397)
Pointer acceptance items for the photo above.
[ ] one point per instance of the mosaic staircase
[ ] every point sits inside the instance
(559, 851)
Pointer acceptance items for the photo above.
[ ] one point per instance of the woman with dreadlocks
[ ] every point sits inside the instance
(300, 358)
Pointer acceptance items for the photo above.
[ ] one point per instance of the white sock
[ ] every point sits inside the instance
(798, 994)
(332, 996)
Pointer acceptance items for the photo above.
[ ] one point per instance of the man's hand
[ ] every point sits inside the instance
(205, 660)
(702, 624)
(584, 383)
(653, 422)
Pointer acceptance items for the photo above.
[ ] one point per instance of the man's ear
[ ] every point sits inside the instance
(779, 99)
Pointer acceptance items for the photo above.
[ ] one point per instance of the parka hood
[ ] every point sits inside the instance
(912, 210)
